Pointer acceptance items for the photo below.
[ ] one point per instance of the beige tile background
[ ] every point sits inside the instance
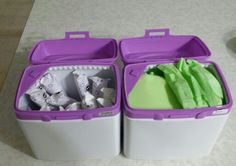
(13, 16)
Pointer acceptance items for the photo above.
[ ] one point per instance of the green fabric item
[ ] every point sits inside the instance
(152, 92)
(198, 93)
(208, 82)
(191, 85)
(212, 70)
(155, 71)
(178, 85)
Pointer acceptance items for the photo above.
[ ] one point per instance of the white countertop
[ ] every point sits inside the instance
(212, 20)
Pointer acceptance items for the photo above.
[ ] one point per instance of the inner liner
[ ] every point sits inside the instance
(65, 77)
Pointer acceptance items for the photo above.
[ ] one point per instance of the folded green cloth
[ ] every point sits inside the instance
(179, 85)
(213, 92)
(187, 84)
(198, 93)
(152, 92)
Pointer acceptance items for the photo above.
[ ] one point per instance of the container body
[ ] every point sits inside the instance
(70, 135)
(170, 134)
(73, 139)
(173, 133)
(77, 134)
(171, 138)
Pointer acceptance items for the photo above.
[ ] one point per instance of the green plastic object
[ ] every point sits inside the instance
(152, 92)
(198, 93)
(213, 92)
(179, 85)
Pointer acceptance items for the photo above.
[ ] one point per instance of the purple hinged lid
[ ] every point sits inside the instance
(76, 46)
(158, 44)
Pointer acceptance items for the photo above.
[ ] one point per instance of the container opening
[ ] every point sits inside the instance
(65, 78)
(151, 91)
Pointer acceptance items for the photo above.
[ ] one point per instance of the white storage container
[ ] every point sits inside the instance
(71, 135)
(168, 134)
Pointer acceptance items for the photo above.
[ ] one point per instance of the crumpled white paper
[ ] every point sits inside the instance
(89, 101)
(48, 94)
(97, 84)
(60, 99)
(50, 84)
(73, 107)
(47, 107)
(81, 82)
(102, 102)
(108, 93)
(38, 94)
(61, 108)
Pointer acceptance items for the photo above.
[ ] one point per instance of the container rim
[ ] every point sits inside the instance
(158, 114)
(86, 114)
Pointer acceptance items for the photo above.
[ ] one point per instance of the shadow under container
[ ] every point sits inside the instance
(71, 135)
(168, 134)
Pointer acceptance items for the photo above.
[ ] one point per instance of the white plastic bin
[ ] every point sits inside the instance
(71, 135)
(168, 134)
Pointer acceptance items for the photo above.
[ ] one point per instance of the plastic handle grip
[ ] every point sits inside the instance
(157, 32)
(80, 34)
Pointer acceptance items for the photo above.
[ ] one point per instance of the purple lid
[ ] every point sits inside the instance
(76, 46)
(158, 44)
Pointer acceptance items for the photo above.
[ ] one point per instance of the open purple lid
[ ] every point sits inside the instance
(76, 46)
(158, 44)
